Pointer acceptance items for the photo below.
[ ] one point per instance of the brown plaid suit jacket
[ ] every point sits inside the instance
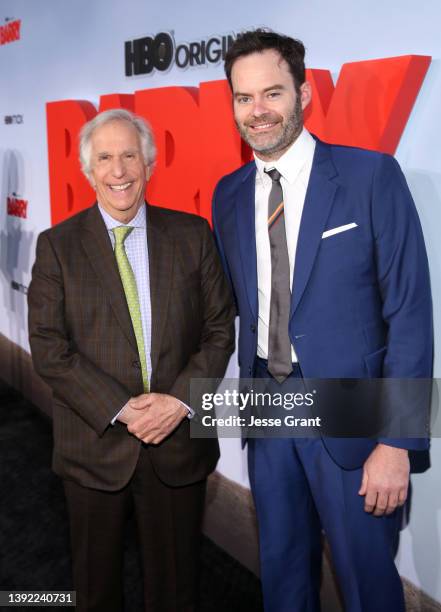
(83, 344)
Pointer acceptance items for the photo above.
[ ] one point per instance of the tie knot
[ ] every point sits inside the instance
(273, 174)
(121, 232)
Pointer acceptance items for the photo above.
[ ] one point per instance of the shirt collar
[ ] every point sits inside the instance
(292, 161)
(139, 220)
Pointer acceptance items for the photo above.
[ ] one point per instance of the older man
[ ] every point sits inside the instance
(127, 303)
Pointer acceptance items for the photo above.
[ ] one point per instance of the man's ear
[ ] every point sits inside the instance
(305, 94)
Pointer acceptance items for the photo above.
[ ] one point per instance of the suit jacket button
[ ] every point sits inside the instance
(253, 328)
(250, 371)
(136, 364)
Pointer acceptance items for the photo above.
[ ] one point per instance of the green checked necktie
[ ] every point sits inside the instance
(131, 291)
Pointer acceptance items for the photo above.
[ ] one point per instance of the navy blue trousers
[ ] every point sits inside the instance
(299, 491)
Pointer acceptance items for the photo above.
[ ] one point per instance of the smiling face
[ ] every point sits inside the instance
(118, 170)
(267, 109)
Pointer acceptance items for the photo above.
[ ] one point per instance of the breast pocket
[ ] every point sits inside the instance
(342, 239)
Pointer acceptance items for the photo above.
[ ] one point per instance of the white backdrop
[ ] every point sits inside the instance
(74, 50)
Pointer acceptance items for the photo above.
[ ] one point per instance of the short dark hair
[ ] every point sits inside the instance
(259, 40)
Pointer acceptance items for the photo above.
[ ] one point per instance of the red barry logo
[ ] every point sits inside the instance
(368, 107)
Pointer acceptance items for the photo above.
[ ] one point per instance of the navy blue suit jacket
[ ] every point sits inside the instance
(361, 305)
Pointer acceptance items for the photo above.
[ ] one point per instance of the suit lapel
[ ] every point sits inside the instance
(97, 245)
(245, 213)
(318, 202)
(161, 256)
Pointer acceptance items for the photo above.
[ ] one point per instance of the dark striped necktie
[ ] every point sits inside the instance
(279, 344)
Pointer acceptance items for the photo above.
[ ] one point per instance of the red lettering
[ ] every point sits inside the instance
(173, 113)
(110, 101)
(219, 139)
(370, 104)
(198, 142)
(322, 92)
(69, 190)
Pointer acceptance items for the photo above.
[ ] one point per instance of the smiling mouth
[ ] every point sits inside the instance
(262, 126)
(122, 187)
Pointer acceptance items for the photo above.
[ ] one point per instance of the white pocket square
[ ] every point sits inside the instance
(338, 230)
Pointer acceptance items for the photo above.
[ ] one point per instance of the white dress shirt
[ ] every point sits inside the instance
(138, 255)
(295, 167)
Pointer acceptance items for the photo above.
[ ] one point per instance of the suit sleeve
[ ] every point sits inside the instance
(217, 336)
(403, 277)
(91, 393)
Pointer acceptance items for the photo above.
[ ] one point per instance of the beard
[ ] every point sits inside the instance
(291, 128)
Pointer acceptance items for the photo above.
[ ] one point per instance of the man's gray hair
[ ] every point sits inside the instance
(147, 141)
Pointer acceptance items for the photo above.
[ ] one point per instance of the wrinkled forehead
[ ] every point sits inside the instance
(116, 134)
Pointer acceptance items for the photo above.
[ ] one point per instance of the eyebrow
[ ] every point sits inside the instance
(271, 88)
(123, 152)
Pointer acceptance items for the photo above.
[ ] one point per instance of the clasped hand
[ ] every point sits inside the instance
(151, 417)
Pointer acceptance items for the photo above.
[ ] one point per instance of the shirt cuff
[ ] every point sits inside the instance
(112, 422)
(190, 414)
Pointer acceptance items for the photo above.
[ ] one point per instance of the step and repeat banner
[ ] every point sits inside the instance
(376, 80)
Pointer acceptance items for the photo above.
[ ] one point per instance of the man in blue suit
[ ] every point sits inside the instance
(323, 248)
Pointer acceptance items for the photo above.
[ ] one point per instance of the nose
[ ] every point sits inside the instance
(118, 167)
(259, 107)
